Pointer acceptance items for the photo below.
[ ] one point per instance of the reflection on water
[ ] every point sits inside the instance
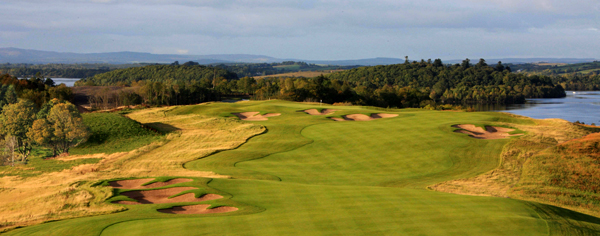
(580, 106)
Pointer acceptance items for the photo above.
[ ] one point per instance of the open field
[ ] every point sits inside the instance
(302, 174)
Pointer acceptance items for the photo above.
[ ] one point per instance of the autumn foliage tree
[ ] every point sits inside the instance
(15, 121)
(60, 130)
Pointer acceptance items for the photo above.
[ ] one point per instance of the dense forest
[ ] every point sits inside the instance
(463, 83)
(36, 89)
(412, 84)
(156, 73)
(261, 69)
(578, 76)
(60, 70)
(56, 73)
(578, 82)
(558, 69)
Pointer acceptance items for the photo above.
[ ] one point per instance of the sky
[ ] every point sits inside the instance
(308, 29)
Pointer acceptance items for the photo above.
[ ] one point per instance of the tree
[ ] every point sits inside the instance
(466, 64)
(10, 143)
(62, 129)
(45, 110)
(10, 96)
(499, 66)
(15, 121)
(61, 92)
(482, 63)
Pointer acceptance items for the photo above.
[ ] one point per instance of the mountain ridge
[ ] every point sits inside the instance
(31, 56)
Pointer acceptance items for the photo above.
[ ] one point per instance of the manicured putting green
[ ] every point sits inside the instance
(309, 175)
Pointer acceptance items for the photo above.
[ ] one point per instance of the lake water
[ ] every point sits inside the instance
(581, 106)
(69, 82)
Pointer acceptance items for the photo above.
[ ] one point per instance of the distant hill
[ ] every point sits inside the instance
(558, 68)
(362, 62)
(17, 55)
(525, 60)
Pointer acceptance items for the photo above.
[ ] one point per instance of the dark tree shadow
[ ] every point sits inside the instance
(161, 127)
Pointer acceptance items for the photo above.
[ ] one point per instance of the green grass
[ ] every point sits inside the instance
(309, 175)
(111, 132)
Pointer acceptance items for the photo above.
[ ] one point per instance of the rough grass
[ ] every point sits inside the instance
(39, 163)
(308, 175)
(567, 175)
(542, 167)
(63, 192)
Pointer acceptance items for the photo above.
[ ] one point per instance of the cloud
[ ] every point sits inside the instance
(103, 1)
(323, 28)
(553, 6)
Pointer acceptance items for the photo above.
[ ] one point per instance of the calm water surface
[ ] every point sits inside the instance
(581, 106)
(69, 82)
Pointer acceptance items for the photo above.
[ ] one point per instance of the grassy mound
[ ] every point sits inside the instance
(112, 133)
(566, 175)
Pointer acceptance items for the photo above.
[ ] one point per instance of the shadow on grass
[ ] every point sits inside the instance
(562, 221)
(162, 127)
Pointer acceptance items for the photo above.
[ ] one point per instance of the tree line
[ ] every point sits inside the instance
(37, 89)
(464, 83)
(261, 69)
(412, 84)
(84, 70)
(54, 72)
(579, 82)
(157, 73)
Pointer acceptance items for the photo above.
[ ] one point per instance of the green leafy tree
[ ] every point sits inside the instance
(15, 121)
(62, 129)
(45, 110)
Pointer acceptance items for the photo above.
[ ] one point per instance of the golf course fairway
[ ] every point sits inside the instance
(311, 175)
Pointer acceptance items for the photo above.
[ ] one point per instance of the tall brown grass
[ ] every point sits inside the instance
(551, 164)
(69, 193)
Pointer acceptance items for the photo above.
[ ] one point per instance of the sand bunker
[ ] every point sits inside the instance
(254, 116)
(197, 209)
(362, 117)
(315, 112)
(137, 183)
(490, 132)
(162, 196)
